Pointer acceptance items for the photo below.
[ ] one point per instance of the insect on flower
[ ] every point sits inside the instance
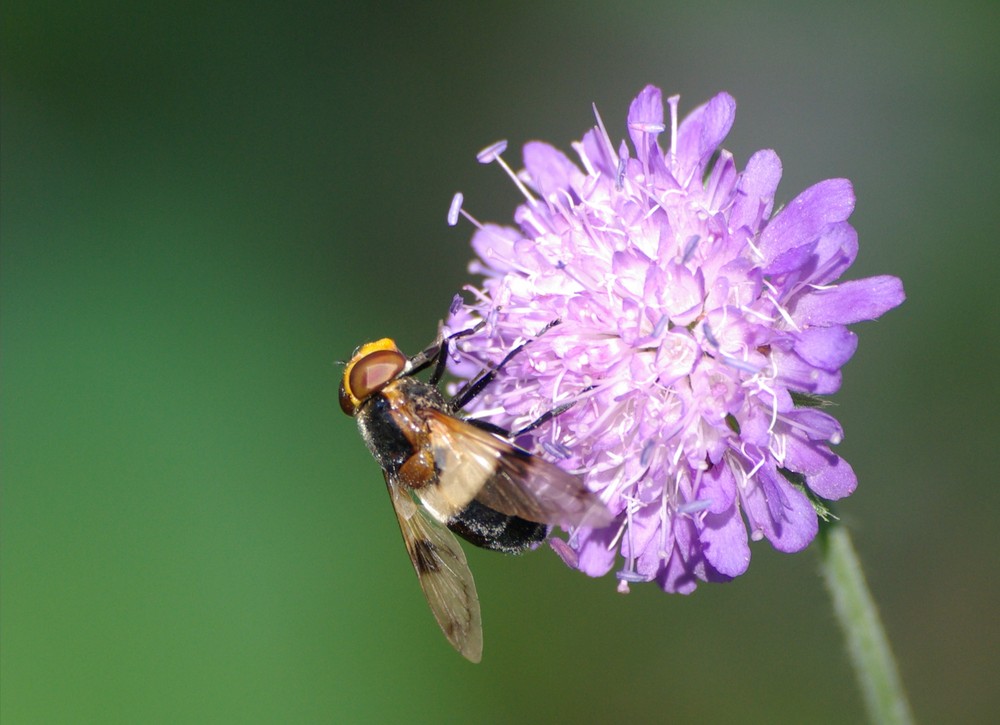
(447, 472)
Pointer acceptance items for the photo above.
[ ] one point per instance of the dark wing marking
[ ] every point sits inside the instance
(476, 464)
(443, 574)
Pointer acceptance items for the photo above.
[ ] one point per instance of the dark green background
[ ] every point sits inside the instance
(205, 205)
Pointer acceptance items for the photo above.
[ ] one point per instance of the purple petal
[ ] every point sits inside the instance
(806, 216)
(826, 347)
(814, 424)
(796, 374)
(837, 248)
(642, 532)
(700, 134)
(848, 302)
(755, 193)
(680, 573)
(595, 553)
(645, 122)
(598, 153)
(755, 425)
(646, 110)
(495, 245)
(791, 260)
(721, 182)
(719, 487)
(565, 552)
(650, 560)
(783, 512)
(827, 474)
(724, 541)
(549, 169)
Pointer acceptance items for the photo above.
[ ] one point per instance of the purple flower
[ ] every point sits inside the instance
(697, 328)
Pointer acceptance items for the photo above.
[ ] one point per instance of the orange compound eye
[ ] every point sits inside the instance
(373, 367)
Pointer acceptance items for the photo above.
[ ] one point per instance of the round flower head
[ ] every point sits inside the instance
(694, 333)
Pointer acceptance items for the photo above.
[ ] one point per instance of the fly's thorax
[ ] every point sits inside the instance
(408, 392)
(396, 432)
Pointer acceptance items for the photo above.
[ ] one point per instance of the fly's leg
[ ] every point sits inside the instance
(474, 387)
(437, 354)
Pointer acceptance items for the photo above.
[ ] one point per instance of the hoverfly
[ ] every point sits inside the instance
(447, 472)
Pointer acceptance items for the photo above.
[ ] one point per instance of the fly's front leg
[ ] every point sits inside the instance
(437, 354)
(474, 387)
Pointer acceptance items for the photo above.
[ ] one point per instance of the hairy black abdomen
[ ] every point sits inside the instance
(490, 529)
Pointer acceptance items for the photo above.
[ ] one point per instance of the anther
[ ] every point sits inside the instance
(692, 244)
(455, 209)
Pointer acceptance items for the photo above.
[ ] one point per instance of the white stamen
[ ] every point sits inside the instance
(584, 159)
(778, 447)
(783, 312)
(756, 313)
(478, 293)
(812, 432)
(678, 453)
(461, 210)
(539, 225)
(617, 538)
(761, 385)
(492, 153)
(604, 131)
(757, 466)
(653, 209)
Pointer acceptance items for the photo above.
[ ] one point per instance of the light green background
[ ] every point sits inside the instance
(205, 206)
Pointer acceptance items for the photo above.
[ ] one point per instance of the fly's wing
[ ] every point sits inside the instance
(476, 464)
(443, 575)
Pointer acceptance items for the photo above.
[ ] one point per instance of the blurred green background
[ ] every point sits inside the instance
(206, 205)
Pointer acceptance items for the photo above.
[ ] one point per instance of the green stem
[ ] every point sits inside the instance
(867, 643)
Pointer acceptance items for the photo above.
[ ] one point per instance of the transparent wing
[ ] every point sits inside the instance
(443, 574)
(476, 464)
